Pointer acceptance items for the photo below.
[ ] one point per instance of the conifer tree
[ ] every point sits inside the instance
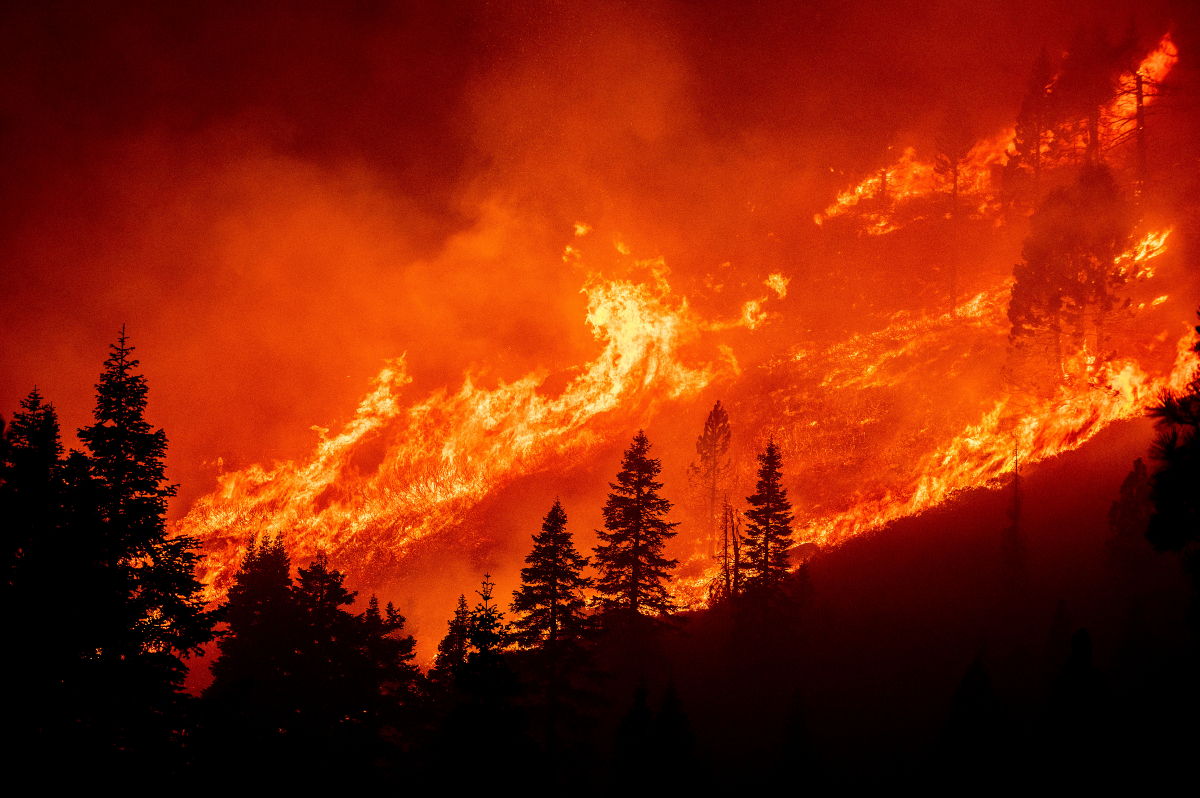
(40, 574)
(157, 609)
(258, 645)
(633, 570)
(146, 612)
(707, 475)
(769, 531)
(549, 606)
(30, 491)
(1175, 485)
(452, 649)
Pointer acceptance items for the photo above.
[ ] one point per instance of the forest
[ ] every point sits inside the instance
(880, 469)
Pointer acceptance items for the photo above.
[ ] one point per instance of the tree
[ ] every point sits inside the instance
(728, 581)
(1065, 296)
(159, 610)
(769, 531)
(257, 650)
(708, 473)
(1088, 82)
(40, 574)
(632, 567)
(146, 612)
(549, 604)
(1033, 120)
(452, 649)
(1175, 485)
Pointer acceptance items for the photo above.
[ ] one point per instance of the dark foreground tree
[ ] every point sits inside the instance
(551, 624)
(769, 531)
(549, 606)
(453, 647)
(1175, 486)
(633, 570)
(1067, 298)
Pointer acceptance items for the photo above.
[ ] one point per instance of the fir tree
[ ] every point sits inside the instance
(633, 570)
(452, 649)
(145, 607)
(1175, 485)
(769, 531)
(708, 473)
(257, 646)
(30, 491)
(549, 604)
(157, 610)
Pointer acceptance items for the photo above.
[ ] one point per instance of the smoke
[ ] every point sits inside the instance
(276, 201)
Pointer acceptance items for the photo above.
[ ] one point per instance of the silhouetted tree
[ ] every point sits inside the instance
(147, 611)
(1065, 296)
(453, 647)
(707, 475)
(634, 752)
(551, 621)
(41, 577)
(633, 570)
(257, 646)
(769, 531)
(728, 581)
(1175, 486)
(1033, 121)
(549, 606)
(30, 491)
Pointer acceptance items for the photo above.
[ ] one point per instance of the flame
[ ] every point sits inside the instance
(917, 469)
(443, 454)
(911, 178)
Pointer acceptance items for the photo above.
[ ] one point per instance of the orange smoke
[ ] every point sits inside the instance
(396, 474)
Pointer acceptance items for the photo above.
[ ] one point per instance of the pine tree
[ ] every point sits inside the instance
(549, 604)
(1033, 120)
(1175, 485)
(30, 492)
(157, 608)
(145, 607)
(41, 575)
(258, 646)
(708, 474)
(633, 570)
(769, 531)
(452, 649)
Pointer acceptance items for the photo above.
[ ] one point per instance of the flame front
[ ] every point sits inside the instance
(395, 474)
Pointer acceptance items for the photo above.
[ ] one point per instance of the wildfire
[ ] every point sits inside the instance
(857, 481)
(397, 474)
(875, 198)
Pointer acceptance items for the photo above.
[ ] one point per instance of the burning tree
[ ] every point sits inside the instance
(1175, 487)
(1064, 298)
(633, 570)
(707, 475)
(769, 533)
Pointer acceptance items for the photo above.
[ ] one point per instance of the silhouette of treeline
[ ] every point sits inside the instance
(841, 669)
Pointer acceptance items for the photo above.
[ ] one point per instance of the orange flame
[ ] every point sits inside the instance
(442, 455)
(910, 178)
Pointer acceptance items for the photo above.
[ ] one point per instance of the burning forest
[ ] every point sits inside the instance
(603, 397)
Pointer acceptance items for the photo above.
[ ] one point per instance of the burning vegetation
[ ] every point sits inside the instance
(797, 474)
